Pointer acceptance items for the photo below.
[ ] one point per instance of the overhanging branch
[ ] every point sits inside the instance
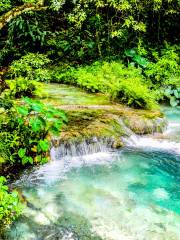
(7, 17)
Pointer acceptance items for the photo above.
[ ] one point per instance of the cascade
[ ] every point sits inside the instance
(85, 147)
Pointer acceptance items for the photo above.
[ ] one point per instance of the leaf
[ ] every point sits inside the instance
(30, 159)
(168, 92)
(22, 152)
(2, 180)
(54, 131)
(24, 160)
(130, 52)
(5, 188)
(44, 160)
(20, 121)
(38, 107)
(176, 94)
(174, 102)
(43, 145)
(140, 60)
(27, 159)
(22, 110)
(27, 100)
(58, 124)
(36, 124)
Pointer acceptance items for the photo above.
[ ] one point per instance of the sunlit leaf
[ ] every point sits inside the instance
(22, 152)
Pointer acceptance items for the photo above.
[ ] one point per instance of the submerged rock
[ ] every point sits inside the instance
(161, 193)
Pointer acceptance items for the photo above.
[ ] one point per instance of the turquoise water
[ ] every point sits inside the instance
(132, 194)
(160, 178)
(173, 115)
(133, 189)
(60, 94)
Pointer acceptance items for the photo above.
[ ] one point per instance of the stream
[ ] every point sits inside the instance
(130, 194)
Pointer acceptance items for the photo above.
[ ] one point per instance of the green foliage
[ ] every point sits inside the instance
(5, 5)
(25, 131)
(164, 74)
(5, 103)
(132, 56)
(165, 70)
(86, 30)
(10, 206)
(123, 84)
(72, 46)
(173, 95)
(22, 87)
(26, 31)
(31, 67)
(29, 1)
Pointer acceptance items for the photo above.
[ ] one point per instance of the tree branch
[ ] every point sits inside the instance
(7, 17)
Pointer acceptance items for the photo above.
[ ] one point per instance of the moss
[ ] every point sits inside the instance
(143, 125)
(85, 123)
(90, 123)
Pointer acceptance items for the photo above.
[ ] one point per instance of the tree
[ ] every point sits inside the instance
(16, 11)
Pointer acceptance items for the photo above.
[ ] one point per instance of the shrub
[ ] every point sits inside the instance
(10, 206)
(164, 74)
(63, 74)
(25, 129)
(123, 84)
(5, 103)
(22, 87)
(135, 58)
(165, 70)
(173, 94)
(31, 66)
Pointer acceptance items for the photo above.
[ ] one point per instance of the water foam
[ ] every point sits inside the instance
(152, 143)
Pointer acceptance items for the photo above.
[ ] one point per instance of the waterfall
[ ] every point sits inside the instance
(78, 149)
(152, 143)
(166, 141)
(66, 156)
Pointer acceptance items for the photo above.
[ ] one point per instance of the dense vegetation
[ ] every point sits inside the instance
(10, 206)
(126, 49)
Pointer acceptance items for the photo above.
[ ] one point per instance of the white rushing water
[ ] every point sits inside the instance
(152, 143)
(168, 141)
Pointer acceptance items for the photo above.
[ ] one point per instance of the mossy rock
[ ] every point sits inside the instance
(112, 123)
(142, 125)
